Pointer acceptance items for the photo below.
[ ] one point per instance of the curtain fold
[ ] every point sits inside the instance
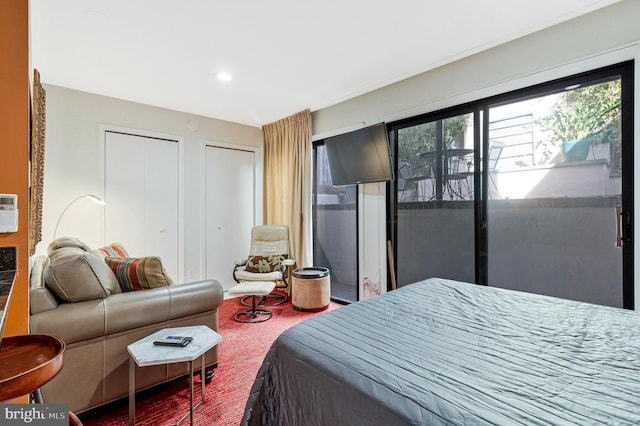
(287, 181)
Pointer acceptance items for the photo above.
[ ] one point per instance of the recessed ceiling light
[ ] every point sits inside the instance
(573, 86)
(224, 76)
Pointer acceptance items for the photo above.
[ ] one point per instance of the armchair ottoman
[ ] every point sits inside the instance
(253, 289)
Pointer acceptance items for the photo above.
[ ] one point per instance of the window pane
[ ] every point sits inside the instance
(560, 145)
(554, 188)
(335, 230)
(415, 170)
(435, 210)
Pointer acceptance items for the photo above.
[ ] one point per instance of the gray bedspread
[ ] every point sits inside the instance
(452, 353)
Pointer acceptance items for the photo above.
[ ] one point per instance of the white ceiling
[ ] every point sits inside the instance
(284, 55)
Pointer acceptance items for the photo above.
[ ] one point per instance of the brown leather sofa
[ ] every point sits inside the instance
(74, 297)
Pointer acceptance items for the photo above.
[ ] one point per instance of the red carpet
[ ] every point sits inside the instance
(241, 352)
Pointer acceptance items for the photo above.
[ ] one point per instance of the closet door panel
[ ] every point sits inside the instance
(141, 194)
(161, 203)
(229, 210)
(125, 192)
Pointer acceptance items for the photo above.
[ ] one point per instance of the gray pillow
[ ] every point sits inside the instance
(75, 275)
(66, 242)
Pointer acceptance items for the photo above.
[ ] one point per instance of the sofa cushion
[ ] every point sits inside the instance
(138, 273)
(75, 275)
(263, 264)
(115, 249)
(66, 242)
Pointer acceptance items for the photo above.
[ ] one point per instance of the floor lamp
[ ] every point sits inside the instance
(92, 197)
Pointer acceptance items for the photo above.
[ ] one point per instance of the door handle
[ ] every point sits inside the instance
(618, 225)
(624, 227)
(627, 228)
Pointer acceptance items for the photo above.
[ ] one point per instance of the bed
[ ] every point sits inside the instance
(442, 352)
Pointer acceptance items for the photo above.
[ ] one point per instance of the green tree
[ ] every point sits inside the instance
(591, 112)
(422, 138)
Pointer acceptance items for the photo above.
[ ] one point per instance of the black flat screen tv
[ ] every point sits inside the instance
(360, 156)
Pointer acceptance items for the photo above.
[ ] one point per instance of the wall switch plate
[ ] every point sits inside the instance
(8, 213)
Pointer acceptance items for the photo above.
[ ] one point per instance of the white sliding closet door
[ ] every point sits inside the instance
(141, 194)
(230, 176)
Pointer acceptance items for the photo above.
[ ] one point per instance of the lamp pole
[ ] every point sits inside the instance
(92, 197)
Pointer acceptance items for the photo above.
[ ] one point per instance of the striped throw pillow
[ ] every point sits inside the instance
(138, 273)
(112, 250)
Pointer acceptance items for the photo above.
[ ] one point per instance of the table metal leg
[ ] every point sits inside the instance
(191, 391)
(132, 392)
(193, 408)
(202, 379)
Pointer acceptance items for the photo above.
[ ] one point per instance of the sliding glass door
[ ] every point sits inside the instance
(554, 217)
(435, 192)
(335, 229)
(530, 190)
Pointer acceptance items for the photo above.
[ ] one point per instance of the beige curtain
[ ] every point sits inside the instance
(287, 181)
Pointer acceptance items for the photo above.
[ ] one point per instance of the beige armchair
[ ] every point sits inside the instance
(269, 260)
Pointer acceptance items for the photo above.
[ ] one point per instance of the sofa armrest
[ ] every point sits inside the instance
(71, 322)
(40, 297)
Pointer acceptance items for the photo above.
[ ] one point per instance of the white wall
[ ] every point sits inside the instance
(71, 162)
(604, 37)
